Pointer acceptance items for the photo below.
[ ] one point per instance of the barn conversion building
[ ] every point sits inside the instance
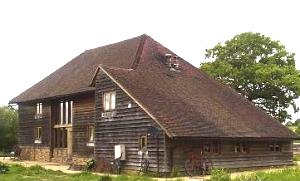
(138, 98)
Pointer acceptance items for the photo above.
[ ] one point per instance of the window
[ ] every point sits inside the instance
(38, 134)
(143, 143)
(109, 101)
(206, 147)
(91, 133)
(241, 148)
(212, 147)
(66, 112)
(39, 110)
(275, 147)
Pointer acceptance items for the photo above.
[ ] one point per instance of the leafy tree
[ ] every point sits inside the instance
(289, 123)
(297, 122)
(8, 128)
(258, 68)
(298, 130)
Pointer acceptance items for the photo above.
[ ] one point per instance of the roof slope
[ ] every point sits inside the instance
(75, 76)
(186, 103)
(191, 104)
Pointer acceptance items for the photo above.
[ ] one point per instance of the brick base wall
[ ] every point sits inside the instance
(60, 155)
(80, 160)
(36, 153)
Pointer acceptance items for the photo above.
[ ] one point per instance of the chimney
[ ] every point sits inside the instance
(172, 62)
(168, 59)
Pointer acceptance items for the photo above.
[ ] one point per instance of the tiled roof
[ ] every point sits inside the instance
(186, 103)
(189, 103)
(75, 76)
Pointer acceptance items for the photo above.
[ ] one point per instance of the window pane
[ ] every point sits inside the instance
(61, 113)
(91, 132)
(71, 112)
(143, 142)
(66, 112)
(37, 108)
(106, 101)
(41, 108)
(113, 100)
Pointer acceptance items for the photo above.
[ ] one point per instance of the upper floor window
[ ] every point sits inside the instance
(39, 110)
(66, 112)
(275, 147)
(109, 101)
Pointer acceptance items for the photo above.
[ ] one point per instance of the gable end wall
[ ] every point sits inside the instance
(125, 127)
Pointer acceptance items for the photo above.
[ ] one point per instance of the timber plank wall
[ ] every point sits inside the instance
(83, 117)
(125, 127)
(28, 123)
(259, 155)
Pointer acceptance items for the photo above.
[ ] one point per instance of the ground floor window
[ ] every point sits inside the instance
(38, 135)
(143, 143)
(241, 147)
(212, 147)
(60, 138)
(91, 133)
(275, 147)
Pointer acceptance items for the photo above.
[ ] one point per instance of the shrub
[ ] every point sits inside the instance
(296, 157)
(175, 172)
(219, 175)
(298, 130)
(105, 178)
(90, 165)
(3, 168)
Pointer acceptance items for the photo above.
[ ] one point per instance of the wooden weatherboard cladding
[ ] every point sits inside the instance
(84, 117)
(125, 127)
(29, 122)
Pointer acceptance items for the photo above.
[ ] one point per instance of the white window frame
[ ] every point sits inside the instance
(109, 104)
(71, 109)
(64, 112)
(91, 133)
(39, 108)
(38, 133)
(61, 112)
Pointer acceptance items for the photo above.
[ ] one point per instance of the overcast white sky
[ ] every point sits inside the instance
(37, 37)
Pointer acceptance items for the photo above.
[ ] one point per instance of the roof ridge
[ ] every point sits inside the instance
(139, 52)
(113, 67)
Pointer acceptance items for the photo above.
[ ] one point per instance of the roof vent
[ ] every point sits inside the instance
(172, 62)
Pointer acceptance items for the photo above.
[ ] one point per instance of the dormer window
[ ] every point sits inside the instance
(109, 101)
(39, 110)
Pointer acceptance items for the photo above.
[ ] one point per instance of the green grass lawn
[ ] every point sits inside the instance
(288, 174)
(38, 173)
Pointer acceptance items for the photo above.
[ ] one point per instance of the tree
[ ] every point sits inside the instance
(297, 130)
(8, 128)
(289, 123)
(258, 68)
(297, 122)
